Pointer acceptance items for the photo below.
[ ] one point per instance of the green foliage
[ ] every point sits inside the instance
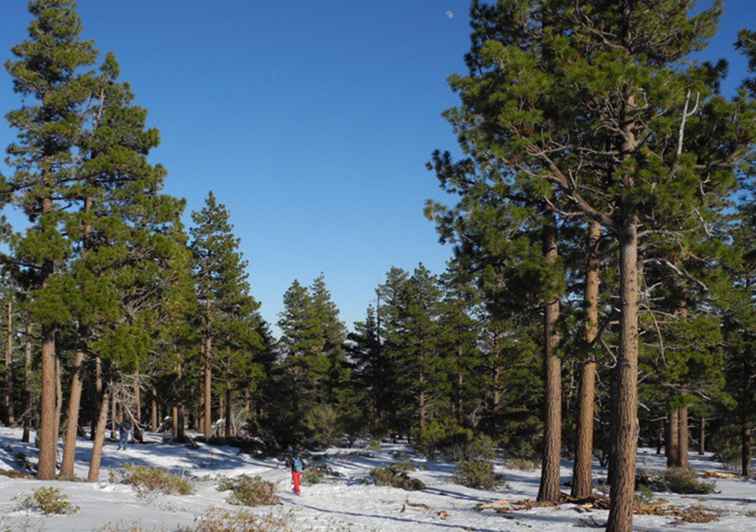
(249, 490)
(49, 501)
(677, 480)
(396, 478)
(220, 520)
(322, 421)
(477, 474)
(146, 480)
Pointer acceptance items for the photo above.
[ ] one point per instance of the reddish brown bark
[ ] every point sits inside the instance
(549, 486)
(74, 401)
(102, 420)
(683, 436)
(673, 442)
(47, 435)
(625, 427)
(28, 393)
(582, 483)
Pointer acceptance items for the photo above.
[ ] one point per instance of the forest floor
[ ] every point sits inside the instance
(347, 503)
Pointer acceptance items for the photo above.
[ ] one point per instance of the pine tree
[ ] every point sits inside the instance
(223, 293)
(47, 71)
(557, 92)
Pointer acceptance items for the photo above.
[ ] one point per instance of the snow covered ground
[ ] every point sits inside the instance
(345, 504)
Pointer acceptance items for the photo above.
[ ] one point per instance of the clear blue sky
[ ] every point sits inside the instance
(312, 121)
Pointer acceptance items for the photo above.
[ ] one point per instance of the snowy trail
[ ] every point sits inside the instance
(344, 504)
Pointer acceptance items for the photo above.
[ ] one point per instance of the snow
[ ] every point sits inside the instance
(348, 503)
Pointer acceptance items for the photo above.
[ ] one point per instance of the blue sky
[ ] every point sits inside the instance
(311, 121)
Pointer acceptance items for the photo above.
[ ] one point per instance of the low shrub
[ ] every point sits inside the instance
(391, 476)
(312, 476)
(152, 479)
(247, 490)
(374, 445)
(523, 464)
(48, 500)
(676, 480)
(477, 474)
(219, 520)
(405, 466)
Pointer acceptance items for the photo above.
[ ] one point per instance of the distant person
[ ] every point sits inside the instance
(297, 467)
(124, 429)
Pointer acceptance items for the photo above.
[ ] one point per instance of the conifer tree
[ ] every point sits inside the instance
(47, 71)
(223, 294)
(557, 91)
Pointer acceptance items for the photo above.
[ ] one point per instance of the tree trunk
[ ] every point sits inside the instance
(673, 445)
(683, 436)
(28, 392)
(47, 436)
(227, 415)
(423, 408)
(745, 449)
(98, 397)
(8, 397)
(207, 427)
(702, 437)
(138, 397)
(174, 421)
(625, 429)
(549, 487)
(582, 484)
(58, 399)
(102, 420)
(74, 400)
(153, 414)
(113, 417)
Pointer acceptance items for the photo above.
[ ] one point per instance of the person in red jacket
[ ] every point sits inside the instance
(297, 467)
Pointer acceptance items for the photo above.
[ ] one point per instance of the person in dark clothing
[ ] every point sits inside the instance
(297, 467)
(123, 432)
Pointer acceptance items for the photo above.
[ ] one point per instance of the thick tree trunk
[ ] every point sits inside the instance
(74, 400)
(673, 444)
(625, 429)
(47, 435)
(102, 420)
(702, 437)
(207, 426)
(552, 444)
(683, 436)
(8, 397)
(28, 392)
(582, 483)
(227, 415)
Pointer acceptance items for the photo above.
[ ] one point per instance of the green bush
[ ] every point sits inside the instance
(523, 464)
(475, 474)
(152, 479)
(684, 480)
(219, 520)
(374, 445)
(48, 500)
(396, 478)
(676, 480)
(312, 476)
(247, 490)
